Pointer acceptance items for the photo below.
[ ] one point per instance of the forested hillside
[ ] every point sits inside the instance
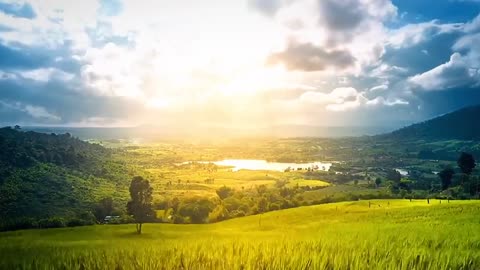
(46, 175)
(459, 125)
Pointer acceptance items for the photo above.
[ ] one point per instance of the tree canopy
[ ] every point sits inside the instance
(466, 162)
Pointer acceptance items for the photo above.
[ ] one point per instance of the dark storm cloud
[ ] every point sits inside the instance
(24, 10)
(308, 57)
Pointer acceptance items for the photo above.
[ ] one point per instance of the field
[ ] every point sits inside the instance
(377, 234)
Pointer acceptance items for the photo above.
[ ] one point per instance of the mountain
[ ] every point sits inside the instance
(463, 124)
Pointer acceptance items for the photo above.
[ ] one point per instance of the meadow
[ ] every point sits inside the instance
(377, 234)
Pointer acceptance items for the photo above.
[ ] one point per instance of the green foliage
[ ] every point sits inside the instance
(47, 175)
(224, 192)
(195, 210)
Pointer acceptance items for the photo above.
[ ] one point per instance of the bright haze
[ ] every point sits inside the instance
(236, 64)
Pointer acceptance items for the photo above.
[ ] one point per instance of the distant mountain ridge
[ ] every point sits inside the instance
(463, 124)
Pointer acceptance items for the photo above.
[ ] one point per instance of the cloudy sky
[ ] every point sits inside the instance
(237, 63)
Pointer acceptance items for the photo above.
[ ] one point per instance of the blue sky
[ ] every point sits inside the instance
(248, 63)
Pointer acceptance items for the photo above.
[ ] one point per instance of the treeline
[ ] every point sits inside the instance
(233, 203)
(450, 182)
(24, 149)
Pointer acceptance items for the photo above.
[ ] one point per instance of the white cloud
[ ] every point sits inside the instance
(46, 74)
(385, 71)
(355, 27)
(386, 102)
(381, 87)
(57, 22)
(7, 75)
(40, 112)
(413, 34)
(37, 112)
(462, 69)
(454, 73)
(473, 26)
(346, 98)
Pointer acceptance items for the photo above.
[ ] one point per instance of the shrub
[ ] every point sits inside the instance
(18, 224)
(88, 218)
(218, 214)
(177, 219)
(74, 222)
(54, 222)
(274, 206)
(237, 213)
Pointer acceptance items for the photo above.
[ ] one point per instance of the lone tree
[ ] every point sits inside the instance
(378, 181)
(466, 162)
(446, 176)
(140, 206)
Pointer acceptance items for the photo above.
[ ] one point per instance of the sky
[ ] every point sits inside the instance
(243, 63)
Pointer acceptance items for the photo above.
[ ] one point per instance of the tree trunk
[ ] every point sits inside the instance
(139, 229)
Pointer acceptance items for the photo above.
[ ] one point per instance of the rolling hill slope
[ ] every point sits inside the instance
(463, 124)
(378, 234)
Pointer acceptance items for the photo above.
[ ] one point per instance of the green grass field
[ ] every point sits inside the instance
(391, 234)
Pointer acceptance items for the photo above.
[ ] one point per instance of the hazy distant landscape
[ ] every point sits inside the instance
(152, 133)
(246, 134)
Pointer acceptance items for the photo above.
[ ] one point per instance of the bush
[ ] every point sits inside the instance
(218, 214)
(237, 213)
(274, 206)
(196, 209)
(177, 219)
(54, 222)
(75, 222)
(18, 224)
(124, 219)
(88, 218)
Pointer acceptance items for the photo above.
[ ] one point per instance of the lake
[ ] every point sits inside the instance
(254, 164)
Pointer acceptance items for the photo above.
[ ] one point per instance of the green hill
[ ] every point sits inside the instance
(46, 175)
(378, 234)
(463, 124)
